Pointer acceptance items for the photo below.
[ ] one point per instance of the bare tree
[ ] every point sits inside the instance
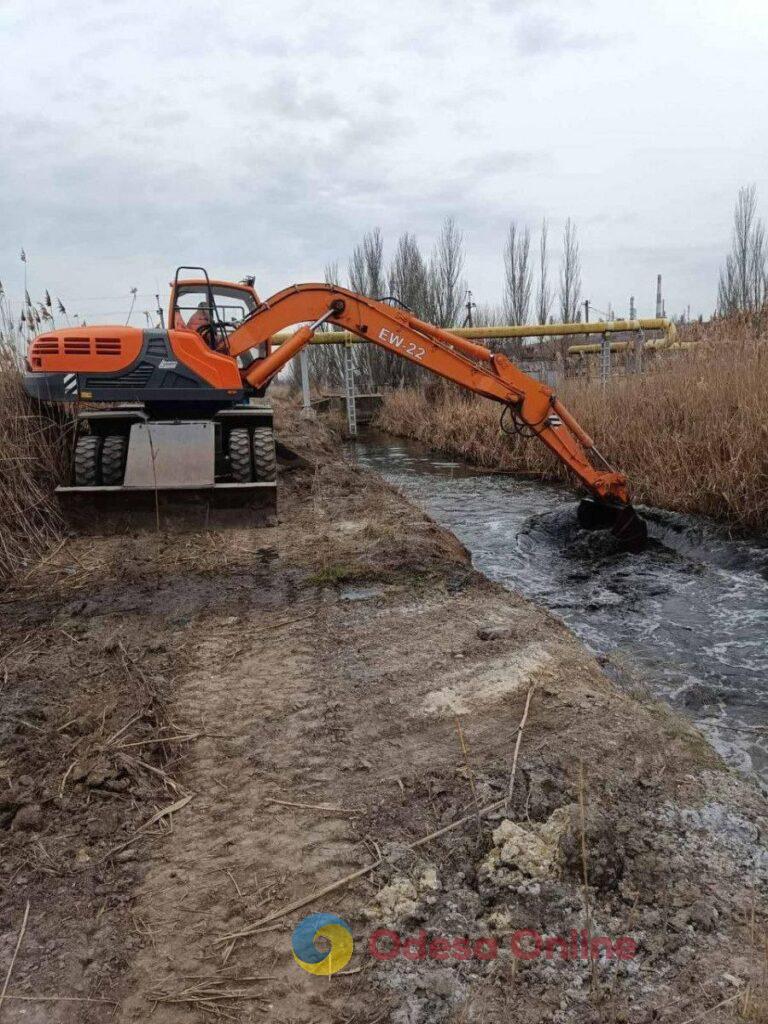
(326, 362)
(408, 276)
(742, 284)
(727, 302)
(446, 288)
(757, 266)
(330, 358)
(366, 276)
(332, 273)
(570, 275)
(518, 276)
(366, 267)
(544, 293)
(743, 225)
(409, 283)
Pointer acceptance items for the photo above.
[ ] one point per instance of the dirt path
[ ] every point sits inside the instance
(349, 659)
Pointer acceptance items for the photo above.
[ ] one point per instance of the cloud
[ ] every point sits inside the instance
(269, 135)
(287, 98)
(544, 35)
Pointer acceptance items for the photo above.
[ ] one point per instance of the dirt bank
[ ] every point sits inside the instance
(200, 731)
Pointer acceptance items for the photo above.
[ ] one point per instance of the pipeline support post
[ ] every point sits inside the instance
(605, 360)
(304, 361)
(639, 346)
(349, 389)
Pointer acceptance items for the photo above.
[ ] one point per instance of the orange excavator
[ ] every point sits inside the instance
(183, 422)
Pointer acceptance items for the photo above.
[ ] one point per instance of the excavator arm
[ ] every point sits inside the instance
(532, 405)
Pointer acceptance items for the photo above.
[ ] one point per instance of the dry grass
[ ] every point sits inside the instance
(32, 453)
(691, 433)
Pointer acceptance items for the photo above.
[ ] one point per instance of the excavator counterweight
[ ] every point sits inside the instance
(195, 430)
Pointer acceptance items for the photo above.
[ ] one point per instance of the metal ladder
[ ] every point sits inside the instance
(349, 390)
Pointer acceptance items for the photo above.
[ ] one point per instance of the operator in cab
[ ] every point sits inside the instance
(200, 321)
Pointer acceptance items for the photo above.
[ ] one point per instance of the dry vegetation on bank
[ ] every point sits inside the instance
(31, 454)
(691, 433)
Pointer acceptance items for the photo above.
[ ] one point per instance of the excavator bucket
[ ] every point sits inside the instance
(622, 520)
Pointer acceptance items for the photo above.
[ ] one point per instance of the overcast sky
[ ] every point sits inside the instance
(266, 137)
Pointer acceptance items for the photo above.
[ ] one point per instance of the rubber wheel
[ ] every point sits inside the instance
(113, 453)
(87, 458)
(239, 451)
(264, 458)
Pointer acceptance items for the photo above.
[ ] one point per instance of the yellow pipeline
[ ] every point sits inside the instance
(527, 331)
(669, 343)
(560, 330)
(655, 345)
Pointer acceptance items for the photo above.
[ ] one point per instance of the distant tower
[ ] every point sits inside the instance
(469, 305)
(659, 302)
(632, 310)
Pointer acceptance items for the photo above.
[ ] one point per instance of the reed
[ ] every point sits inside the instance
(33, 453)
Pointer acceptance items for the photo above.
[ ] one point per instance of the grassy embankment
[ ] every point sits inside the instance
(691, 433)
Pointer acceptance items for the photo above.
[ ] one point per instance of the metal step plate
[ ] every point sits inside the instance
(169, 456)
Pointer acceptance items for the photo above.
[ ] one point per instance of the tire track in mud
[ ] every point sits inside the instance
(233, 855)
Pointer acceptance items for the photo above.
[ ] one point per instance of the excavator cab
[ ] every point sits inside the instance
(213, 309)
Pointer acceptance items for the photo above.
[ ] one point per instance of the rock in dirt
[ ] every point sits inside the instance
(396, 902)
(531, 850)
(28, 818)
(99, 774)
(703, 916)
(405, 898)
(495, 632)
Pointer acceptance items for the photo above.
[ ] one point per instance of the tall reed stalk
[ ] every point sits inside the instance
(32, 458)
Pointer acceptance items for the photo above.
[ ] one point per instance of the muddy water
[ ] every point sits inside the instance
(688, 616)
